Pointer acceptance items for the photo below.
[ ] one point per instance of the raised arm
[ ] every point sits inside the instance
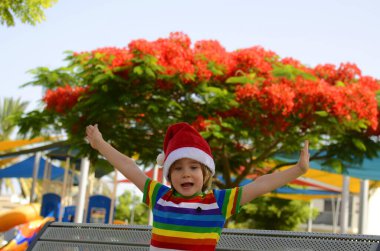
(124, 164)
(270, 182)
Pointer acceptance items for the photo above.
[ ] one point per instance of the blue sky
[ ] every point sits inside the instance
(314, 32)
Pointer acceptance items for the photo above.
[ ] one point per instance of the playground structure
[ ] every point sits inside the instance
(26, 234)
(21, 224)
(27, 220)
(18, 216)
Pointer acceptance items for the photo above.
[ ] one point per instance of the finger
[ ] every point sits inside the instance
(88, 128)
(306, 146)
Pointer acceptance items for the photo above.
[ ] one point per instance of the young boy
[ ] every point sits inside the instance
(186, 216)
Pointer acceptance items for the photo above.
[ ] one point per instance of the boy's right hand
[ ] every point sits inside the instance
(93, 136)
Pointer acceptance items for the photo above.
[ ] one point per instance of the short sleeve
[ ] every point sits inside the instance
(228, 200)
(153, 190)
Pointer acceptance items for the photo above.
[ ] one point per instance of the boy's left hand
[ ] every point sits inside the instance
(303, 162)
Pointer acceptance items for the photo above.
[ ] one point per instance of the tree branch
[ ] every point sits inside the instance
(265, 154)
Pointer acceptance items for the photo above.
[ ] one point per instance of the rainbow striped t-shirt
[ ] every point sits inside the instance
(188, 223)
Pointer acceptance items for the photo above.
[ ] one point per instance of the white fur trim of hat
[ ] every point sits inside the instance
(183, 141)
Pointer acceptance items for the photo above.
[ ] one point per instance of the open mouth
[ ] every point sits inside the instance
(187, 185)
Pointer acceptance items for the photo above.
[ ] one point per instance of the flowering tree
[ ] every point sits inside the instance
(250, 104)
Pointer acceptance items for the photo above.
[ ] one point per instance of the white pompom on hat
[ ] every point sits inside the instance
(183, 141)
(160, 159)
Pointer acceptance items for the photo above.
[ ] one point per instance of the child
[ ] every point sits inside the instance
(186, 216)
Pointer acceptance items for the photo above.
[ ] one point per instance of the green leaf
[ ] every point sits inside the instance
(215, 90)
(362, 124)
(30, 12)
(105, 88)
(153, 107)
(174, 103)
(149, 72)
(138, 70)
(322, 113)
(340, 83)
(218, 134)
(227, 125)
(290, 72)
(100, 78)
(336, 164)
(217, 72)
(206, 134)
(359, 144)
(238, 80)
(244, 133)
(214, 127)
(98, 55)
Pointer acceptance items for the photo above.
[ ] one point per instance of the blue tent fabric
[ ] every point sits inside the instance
(291, 190)
(368, 170)
(24, 169)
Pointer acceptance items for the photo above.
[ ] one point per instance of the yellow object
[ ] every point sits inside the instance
(7, 161)
(325, 179)
(300, 196)
(25, 234)
(119, 222)
(10, 144)
(19, 215)
(333, 179)
(330, 179)
(13, 246)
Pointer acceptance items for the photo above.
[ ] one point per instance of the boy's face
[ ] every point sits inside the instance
(186, 176)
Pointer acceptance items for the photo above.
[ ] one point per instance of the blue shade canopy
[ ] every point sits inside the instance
(24, 169)
(368, 170)
(289, 189)
(304, 191)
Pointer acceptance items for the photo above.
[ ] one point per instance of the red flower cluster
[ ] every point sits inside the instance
(207, 60)
(63, 99)
(254, 59)
(282, 99)
(139, 117)
(270, 101)
(112, 56)
(174, 54)
(211, 54)
(201, 124)
(346, 73)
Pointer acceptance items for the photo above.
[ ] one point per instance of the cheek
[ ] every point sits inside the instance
(174, 175)
(200, 175)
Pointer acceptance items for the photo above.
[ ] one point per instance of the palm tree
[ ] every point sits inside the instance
(10, 110)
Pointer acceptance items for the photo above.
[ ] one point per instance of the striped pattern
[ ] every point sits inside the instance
(189, 223)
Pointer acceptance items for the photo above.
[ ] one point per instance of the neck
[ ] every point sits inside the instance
(177, 194)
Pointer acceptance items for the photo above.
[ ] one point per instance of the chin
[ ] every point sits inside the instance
(187, 193)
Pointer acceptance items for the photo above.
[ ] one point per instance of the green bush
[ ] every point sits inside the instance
(272, 214)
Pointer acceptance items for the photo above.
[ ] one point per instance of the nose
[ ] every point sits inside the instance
(186, 172)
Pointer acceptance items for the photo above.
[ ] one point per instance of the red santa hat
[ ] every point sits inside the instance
(183, 141)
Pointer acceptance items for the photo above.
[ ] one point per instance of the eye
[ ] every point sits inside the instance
(194, 167)
(177, 168)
